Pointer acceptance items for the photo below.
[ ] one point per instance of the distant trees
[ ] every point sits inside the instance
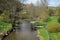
(30, 11)
(51, 12)
(9, 4)
(43, 10)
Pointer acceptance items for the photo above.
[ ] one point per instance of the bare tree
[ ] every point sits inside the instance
(44, 3)
(43, 10)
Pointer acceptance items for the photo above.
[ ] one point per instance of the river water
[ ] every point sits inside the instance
(23, 33)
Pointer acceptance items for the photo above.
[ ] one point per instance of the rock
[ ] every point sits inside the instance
(1, 33)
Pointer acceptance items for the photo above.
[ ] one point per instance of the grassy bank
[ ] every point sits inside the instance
(52, 26)
(4, 26)
(53, 36)
(43, 33)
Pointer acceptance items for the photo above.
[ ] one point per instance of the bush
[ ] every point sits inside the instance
(53, 27)
(39, 24)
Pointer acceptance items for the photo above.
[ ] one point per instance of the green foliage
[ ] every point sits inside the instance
(52, 24)
(39, 24)
(52, 19)
(5, 16)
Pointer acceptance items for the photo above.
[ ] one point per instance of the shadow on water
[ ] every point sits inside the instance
(22, 33)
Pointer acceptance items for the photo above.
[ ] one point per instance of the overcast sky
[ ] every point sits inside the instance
(51, 2)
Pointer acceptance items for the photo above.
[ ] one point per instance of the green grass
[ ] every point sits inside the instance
(43, 33)
(53, 36)
(52, 19)
(52, 24)
(5, 26)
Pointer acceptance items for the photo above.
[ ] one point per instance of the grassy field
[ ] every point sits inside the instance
(53, 36)
(4, 26)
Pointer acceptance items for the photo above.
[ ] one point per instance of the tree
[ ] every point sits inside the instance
(13, 6)
(44, 3)
(43, 10)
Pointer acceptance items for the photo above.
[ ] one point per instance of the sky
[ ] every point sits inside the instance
(51, 2)
(31, 1)
(54, 2)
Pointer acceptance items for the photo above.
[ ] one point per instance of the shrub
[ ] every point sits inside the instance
(39, 24)
(53, 27)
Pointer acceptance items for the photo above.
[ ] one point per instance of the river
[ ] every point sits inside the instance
(23, 33)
